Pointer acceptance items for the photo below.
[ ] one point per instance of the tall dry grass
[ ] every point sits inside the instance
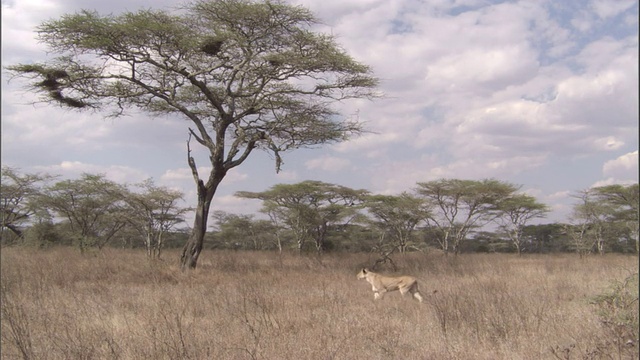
(114, 304)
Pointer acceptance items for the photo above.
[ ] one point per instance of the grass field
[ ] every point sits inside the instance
(115, 304)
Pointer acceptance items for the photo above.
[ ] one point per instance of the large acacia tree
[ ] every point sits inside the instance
(245, 75)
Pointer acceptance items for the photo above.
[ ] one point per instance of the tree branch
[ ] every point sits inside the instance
(192, 163)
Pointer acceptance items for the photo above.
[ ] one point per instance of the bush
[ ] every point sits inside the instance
(618, 311)
(42, 234)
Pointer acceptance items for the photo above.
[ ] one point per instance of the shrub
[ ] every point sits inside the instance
(618, 311)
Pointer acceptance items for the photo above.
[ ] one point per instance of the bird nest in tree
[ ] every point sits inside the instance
(211, 45)
(274, 60)
(52, 84)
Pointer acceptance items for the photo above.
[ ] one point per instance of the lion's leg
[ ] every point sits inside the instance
(416, 294)
(379, 294)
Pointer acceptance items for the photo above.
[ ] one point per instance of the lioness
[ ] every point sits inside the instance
(380, 284)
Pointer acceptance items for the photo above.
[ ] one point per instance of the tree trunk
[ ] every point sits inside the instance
(445, 247)
(278, 241)
(159, 244)
(321, 233)
(300, 243)
(149, 243)
(456, 246)
(402, 246)
(600, 245)
(445, 244)
(193, 247)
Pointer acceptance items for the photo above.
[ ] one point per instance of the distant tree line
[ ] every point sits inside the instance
(89, 212)
(448, 215)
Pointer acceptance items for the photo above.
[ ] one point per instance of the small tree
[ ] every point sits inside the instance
(16, 194)
(591, 220)
(623, 203)
(154, 212)
(93, 207)
(546, 237)
(247, 75)
(309, 208)
(398, 216)
(278, 220)
(460, 205)
(244, 230)
(514, 214)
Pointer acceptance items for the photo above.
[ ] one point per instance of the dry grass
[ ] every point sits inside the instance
(58, 304)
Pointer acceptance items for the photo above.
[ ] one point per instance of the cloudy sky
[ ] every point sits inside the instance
(543, 94)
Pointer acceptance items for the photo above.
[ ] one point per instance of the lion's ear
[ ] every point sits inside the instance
(364, 270)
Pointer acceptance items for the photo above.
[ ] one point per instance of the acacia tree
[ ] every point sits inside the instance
(16, 193)
(286, 211)
(460, 205)
(246, 75)
(623, 201)
(309, 208)
(514, 214)
(547, 237)
(93, 207)
(245, 231)
(397, 215)
(154, 212)
(597, 213)
(586, 224)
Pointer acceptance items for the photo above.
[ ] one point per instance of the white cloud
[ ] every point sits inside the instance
(235, 205)
(19, 20)
(560, 195)
(610, 8)
(608, 143)
(73, 169)
(583, 21)
(287, 176)
(185, 176)
(328, 163)
(482, 69)
(177, 174)
(624, 167)
(371, 144)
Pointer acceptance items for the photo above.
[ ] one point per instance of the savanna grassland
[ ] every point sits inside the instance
(115, 304)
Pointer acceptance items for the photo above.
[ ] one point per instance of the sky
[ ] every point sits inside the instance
(541, 94)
